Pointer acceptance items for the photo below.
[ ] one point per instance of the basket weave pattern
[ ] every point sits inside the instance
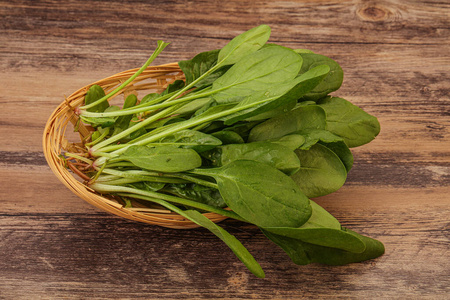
(63, 121)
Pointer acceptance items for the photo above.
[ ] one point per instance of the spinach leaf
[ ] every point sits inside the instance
(173, 87)
(228, 137)
(291, 141)
(260, 194)
(192, 139)
(256, 73)
(162, 158)
(102, 122)
(244, 44)
(285, 92)
(287, 105)
(148, 185)
(322, 229)
(193, 106)
(303, 117)
(272, 154)
(321, 171)
(331, 141)
(303, 253)
(196, 192)
(199, 65)
(238, 249)
(330, 83)
(349, 121)
(123, 122)
(95, 93)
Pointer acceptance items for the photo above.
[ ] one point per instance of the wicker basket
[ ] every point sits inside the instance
(59, 138)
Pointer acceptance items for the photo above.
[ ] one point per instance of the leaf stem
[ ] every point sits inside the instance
(149, 195)
(159, 49)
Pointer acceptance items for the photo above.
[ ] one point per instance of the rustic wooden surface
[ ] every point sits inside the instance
(395, 55)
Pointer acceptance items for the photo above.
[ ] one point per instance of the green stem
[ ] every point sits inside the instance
(159, 49)
(147, 175)
(142, 176)
(191, 123)
(79, 157)
(134, 128)
(101, 137)
(147, 195)
(136, 109)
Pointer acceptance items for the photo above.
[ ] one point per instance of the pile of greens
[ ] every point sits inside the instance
(251, 134)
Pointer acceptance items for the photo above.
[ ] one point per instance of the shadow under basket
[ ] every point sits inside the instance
(65, 133)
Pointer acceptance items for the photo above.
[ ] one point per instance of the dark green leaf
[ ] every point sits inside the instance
(238, 249)
(148, 185)
(261, 194)
(349, 121)
(330, 83)
(272, 154)
(123, 122)
(174, 86)
(291, 141)
(303, 117)
(331, 141)
(303, 253)
(321, 171)
(199, 193)
(95, 93)
(228, 137)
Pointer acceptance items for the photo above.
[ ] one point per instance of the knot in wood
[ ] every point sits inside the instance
(373, 13)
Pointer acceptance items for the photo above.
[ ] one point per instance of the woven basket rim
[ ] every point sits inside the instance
(54, 141)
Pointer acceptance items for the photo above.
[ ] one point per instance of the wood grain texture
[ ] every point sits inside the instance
(395, 56)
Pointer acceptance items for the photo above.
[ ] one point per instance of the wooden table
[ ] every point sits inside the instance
(395, 55)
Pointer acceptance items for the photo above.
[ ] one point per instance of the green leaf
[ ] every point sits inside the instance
(288, 92)
(174, 86)
(199, 65)
(260, 194)
(162, 158)
(303, 117)
(291, 141)
(123, 122)
(148, 185)
(272, 154)
(238, 249)
(349, 121)
(192, 139)
(330, 83)
(228, 137)
(95, 93)
(334, 238)
(264, 112)
(321, 171)
(303, 253)
(331, 141)
(199, 193)
(257, 73)
(192, 106)
(322, 229)
(102, 122)
(320, 218)
(244, 44)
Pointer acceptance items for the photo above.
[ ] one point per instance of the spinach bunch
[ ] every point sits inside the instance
(251, 134)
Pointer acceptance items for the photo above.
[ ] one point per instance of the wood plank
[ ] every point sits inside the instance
(410, 22)
(138, 259)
